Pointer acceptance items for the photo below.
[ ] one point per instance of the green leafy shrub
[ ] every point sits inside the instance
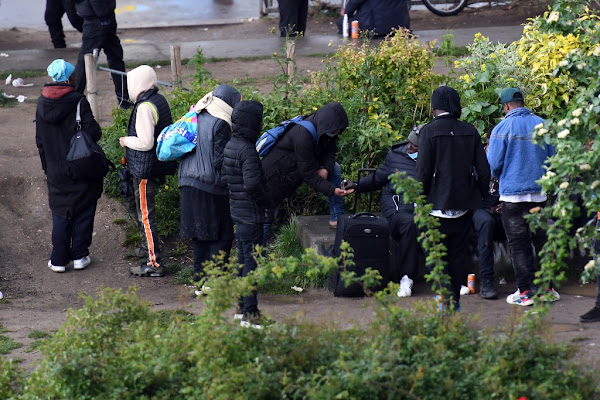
(114, 347)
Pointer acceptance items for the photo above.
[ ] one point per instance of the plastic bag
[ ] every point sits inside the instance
(179, 138)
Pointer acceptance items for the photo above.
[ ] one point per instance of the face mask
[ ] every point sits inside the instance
(414, 155)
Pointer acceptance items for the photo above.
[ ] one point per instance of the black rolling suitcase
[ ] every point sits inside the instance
(369, 237)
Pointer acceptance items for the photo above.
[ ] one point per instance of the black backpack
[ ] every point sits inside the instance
(86, 159)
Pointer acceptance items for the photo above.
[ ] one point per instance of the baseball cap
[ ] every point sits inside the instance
(60, 70)
(511, 94)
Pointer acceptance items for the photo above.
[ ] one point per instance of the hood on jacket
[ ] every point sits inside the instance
(447, 99)
(140, 80)
(247, 119)
(228, 94)
(329, 118)
(57, 102)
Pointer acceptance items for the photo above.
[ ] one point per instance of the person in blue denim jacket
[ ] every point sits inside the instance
(518, 164)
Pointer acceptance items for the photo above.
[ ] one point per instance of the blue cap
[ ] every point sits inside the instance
(511, 94)
(60, 70)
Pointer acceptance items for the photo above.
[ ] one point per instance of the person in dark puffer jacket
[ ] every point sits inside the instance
(204, 202)
(409, 255)
(378, 16)
(73, 202)
(249, 198)
(151, 113)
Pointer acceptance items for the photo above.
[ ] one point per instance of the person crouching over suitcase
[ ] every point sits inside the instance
(408, 256)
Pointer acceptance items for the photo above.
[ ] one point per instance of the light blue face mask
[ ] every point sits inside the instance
(413, 155)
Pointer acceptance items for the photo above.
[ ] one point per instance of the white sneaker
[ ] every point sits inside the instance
(202, 291)
(512, 298)
(406, 285)
(82, 262)
(56, 268)
(1, 296)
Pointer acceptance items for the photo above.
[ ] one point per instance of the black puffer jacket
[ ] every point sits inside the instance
(96, 8)
(201, 168)
(241, 166)
(54, 128)
(296, 159)
(379, 16)
(452, 164)
(396, 160)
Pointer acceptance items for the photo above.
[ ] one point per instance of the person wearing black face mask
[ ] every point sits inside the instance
(408, 257)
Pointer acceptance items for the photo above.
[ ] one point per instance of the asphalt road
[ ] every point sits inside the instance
(138, 13)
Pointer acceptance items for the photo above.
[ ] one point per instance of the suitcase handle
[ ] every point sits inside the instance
(356, 195)
(364, 214)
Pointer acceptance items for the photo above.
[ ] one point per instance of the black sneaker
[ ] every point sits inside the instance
(488, 291)
(591, 316)
(148, 270)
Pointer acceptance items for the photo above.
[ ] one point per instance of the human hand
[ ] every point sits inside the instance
(342, 192)
(497, 209)
(323, 173)
(122, 141)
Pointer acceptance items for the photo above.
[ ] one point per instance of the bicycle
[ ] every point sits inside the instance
(443, 8)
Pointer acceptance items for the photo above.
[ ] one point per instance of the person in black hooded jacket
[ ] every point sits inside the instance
(455, 173)
(378, 16)
(73, 202)
(249, 198)
(295, 158)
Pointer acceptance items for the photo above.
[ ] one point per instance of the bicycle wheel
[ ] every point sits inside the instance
(445, 8)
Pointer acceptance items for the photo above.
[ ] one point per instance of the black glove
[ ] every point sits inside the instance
(348, 185)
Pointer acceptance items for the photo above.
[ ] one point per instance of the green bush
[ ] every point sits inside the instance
(114, 347)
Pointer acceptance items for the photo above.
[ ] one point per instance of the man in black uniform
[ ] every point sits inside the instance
(55, 9)
(100, 32)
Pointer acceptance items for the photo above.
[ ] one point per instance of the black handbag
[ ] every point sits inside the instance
(86, 159)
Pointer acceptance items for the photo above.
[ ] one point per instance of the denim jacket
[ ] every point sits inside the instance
(513, 159)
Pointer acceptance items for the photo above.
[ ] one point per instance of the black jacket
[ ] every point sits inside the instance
(396, 160)
(145, 164)
(54, 128)
(201, 168)
(452, 164)
(295, 158)
(242, 172)
(102, 9)
(380, 16)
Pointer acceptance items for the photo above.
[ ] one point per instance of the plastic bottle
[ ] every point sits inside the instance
(345, 26)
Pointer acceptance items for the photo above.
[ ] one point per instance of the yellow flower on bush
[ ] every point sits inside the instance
(564, 185)
(483, 67)
(577, 112)
(585, 167)
(575, 121)
(563, 134)
(554, 15)
(595, 184)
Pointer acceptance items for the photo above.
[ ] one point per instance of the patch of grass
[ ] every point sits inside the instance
(34, 346)
(27, 73)
(165, 317)
(7, 344)
(120, 221)
(179, 249)
(35, 334)
(181, 274)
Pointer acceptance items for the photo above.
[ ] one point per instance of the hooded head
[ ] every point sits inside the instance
(228, 94)
(140, 80)
(246, 119)
(447, 99)
(60, 70)
(330, 120)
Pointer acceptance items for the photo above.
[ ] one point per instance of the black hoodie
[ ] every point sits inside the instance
(295, 158)
(241, 169)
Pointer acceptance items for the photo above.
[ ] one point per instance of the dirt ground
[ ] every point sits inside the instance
(37, 298)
